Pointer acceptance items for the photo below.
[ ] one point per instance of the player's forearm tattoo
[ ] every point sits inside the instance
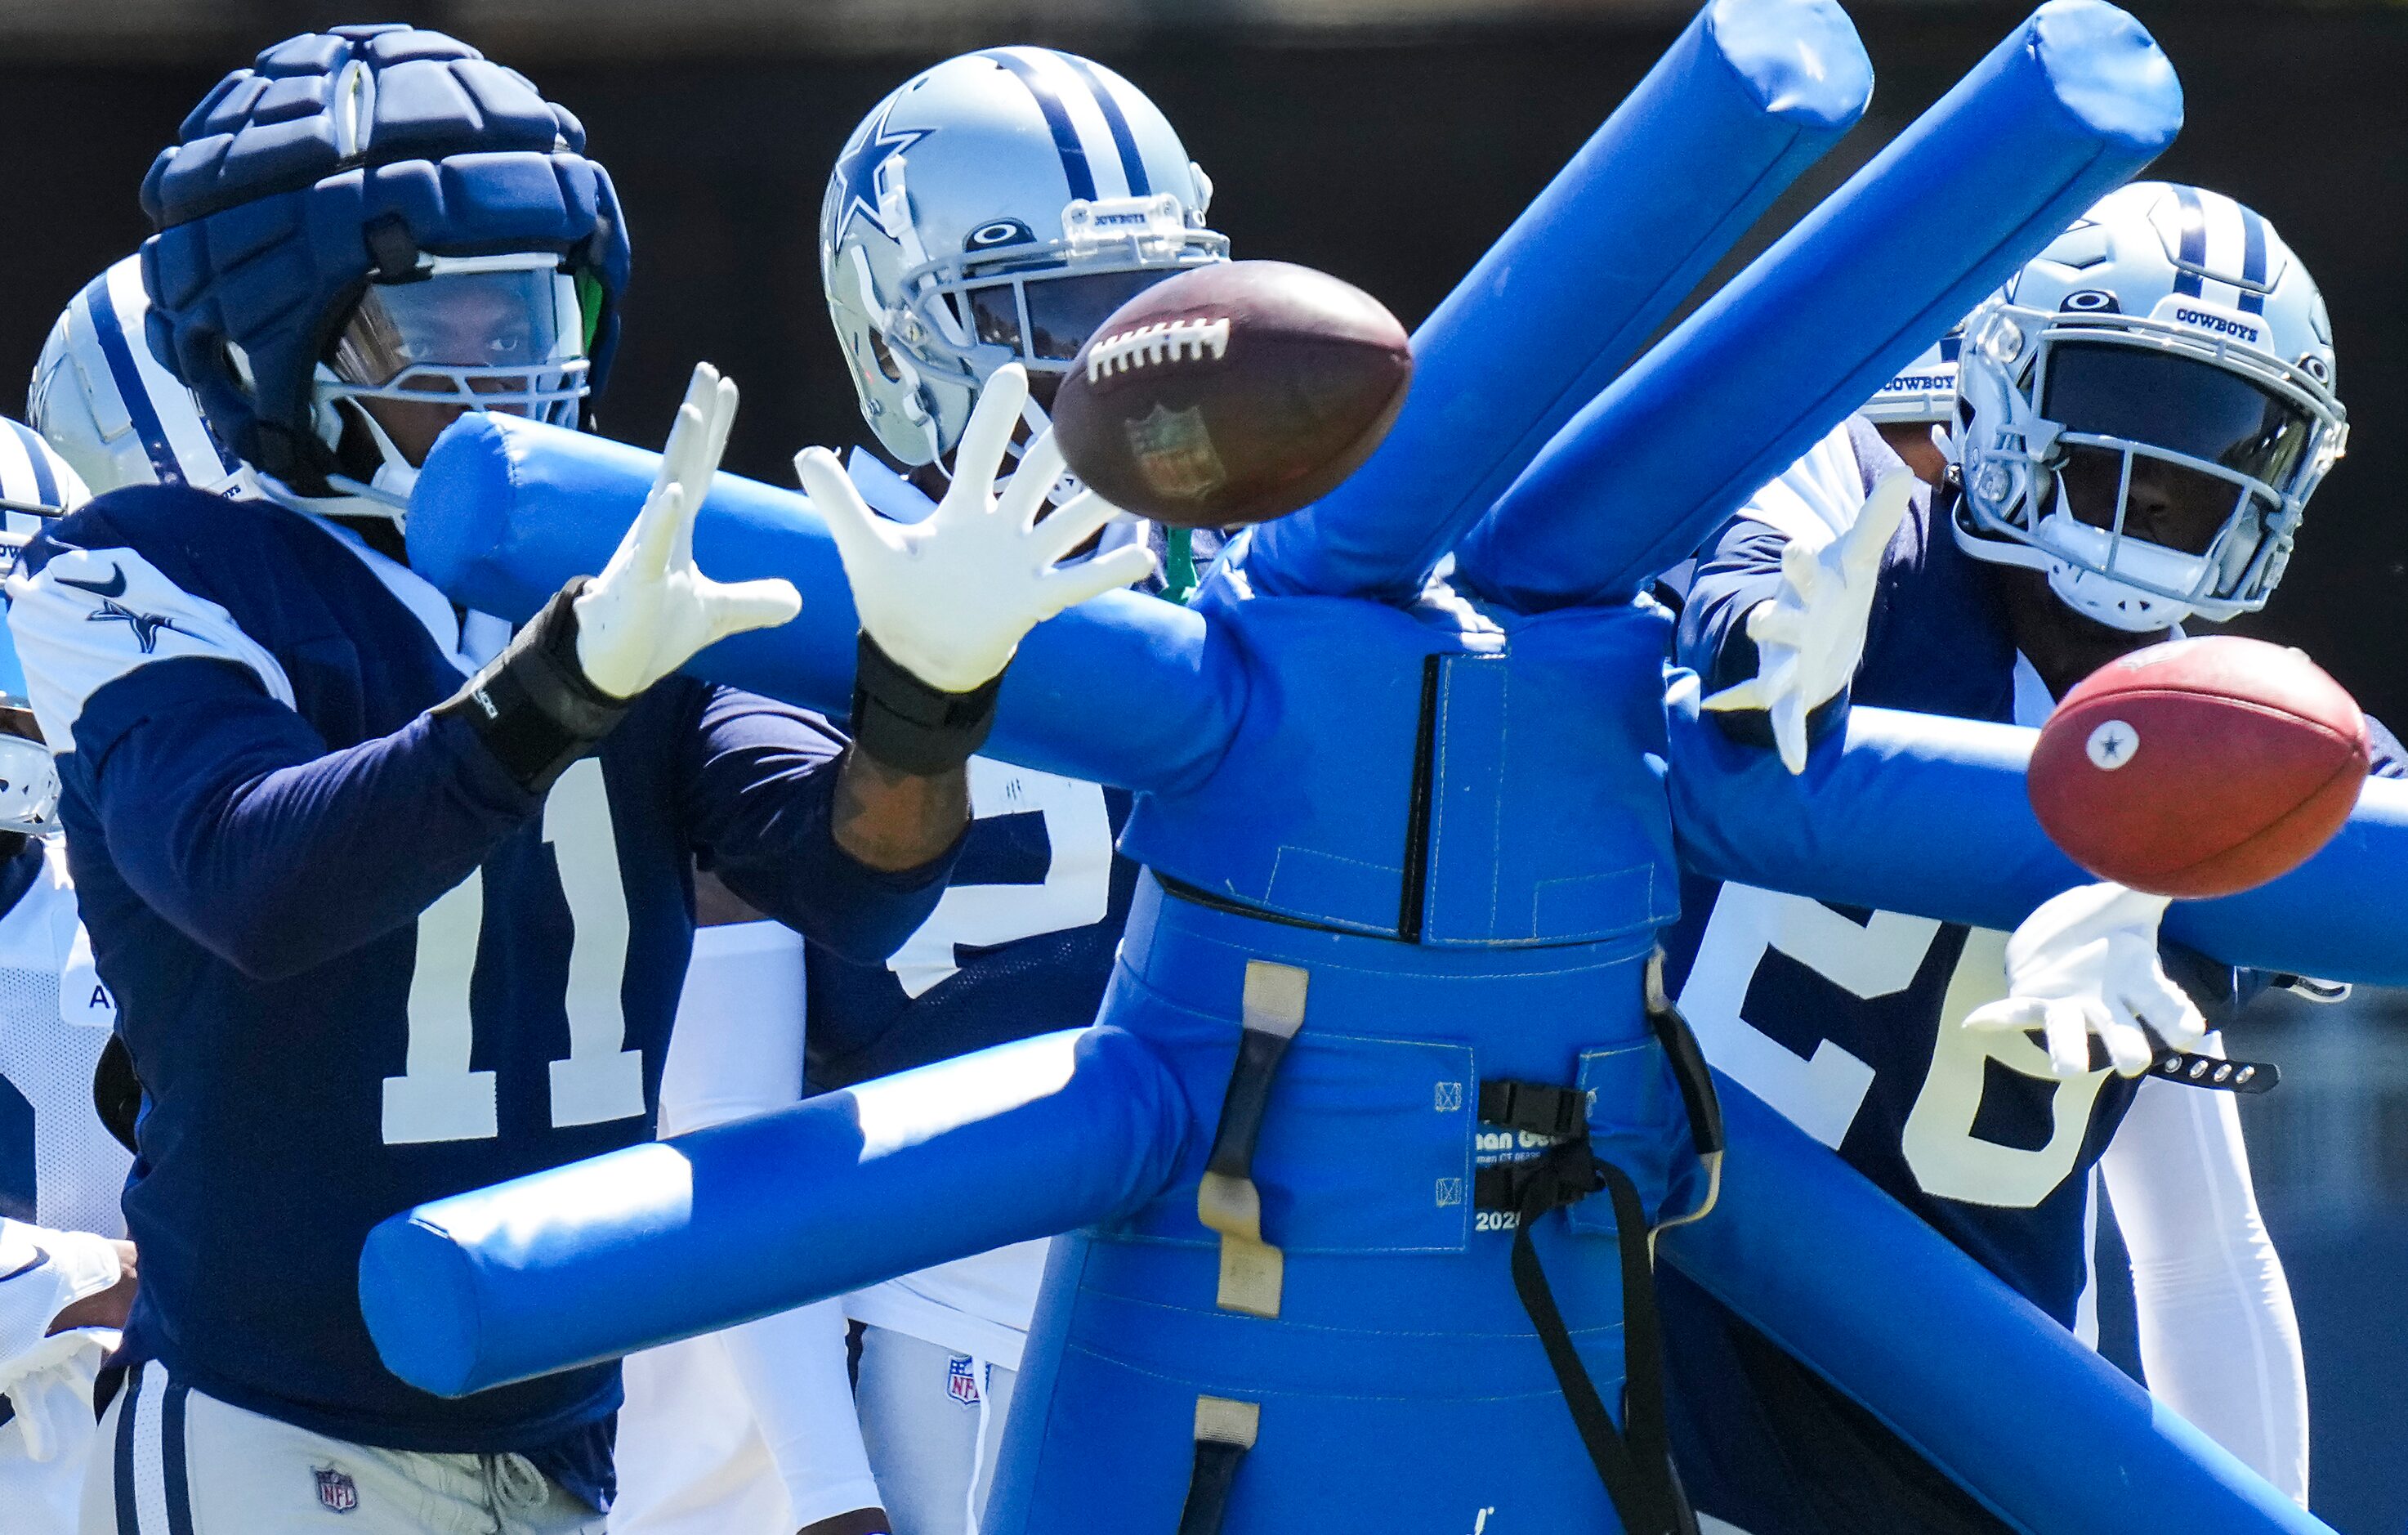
(893, 820)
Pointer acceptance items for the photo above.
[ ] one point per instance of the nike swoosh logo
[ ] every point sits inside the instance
(113, 587)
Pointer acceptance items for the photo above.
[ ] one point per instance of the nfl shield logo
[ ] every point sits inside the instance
(961, 1379)
(1175, 453)
(337, 1490)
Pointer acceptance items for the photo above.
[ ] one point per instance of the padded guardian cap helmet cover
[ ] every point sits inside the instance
(366, 153)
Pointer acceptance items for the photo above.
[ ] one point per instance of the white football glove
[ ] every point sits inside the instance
(650, 610)
(45, 1377)
(51, 1388)
(1811, 635)
(2087, 963)
(948, 600)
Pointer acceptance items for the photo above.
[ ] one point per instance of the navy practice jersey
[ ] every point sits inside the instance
(359, 966)
(1022, 942)
(1842, 1018)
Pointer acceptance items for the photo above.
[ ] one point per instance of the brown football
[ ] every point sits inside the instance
(1234, 392)
(2199, 766)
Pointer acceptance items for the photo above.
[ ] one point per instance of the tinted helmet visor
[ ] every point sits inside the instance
(1060, 312)
(2180, 405)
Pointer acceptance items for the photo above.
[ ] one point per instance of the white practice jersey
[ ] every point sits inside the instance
(59, 1171)
(59, 1168)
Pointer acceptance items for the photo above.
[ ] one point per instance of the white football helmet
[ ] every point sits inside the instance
(996, 208)
(36, 483)
(2145, 409)
(1926, 390)
(102, 400)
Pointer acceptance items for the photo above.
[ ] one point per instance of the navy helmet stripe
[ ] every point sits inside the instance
(129, 1516)
(1132, 163)
(138, 408)
(2192, 258)
(2253, 262)
(45, 484)
(1057, 119)
(175, 1472)
(1952, 346)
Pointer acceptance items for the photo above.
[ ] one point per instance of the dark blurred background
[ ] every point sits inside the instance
(1388, 141)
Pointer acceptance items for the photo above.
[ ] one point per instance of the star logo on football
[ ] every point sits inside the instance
(856, 174)
(2111, 745)
(145, 626)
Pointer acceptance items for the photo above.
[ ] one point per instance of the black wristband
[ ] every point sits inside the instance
(532, 704)
(909, 726)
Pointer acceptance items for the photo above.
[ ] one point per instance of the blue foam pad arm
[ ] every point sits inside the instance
(506, 510)
(2059, 114)
(659, 1242)
(2038, 1426)
(1912, 812)
(1751, 94)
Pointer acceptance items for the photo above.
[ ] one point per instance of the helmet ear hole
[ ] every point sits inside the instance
(884, 357)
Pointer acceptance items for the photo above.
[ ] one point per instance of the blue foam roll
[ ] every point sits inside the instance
(660, 1241)
(1751, 94)
(2044, 1430)
(2062, 112)
(1910, 812)
(506, 510)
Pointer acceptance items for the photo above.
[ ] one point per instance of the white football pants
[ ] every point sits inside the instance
(172, 1461)
(932, 1421)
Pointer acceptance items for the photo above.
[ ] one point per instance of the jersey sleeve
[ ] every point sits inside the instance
(760, 781)
(220, 804)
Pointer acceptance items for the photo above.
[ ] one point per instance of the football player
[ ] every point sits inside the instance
(992, 211)
(66, 1271)
(2139, 419)
(394, 908)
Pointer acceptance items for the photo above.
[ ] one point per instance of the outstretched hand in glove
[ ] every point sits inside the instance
(2085, 963)
(1809, 636)
(945, 602)
(651, 610)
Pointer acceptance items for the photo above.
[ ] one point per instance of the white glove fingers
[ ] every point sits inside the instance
(862, 537)
(2128, 1042)
(653, 540)
(1877, 522)
(985, 445)
(690, 432)
(1789, 730)
(2008, 1015)
(2068, 1032)
(1023, 497)
(1067, 587)
(719, 418)
(1751, 694)
(735, 607)
(1072, 524)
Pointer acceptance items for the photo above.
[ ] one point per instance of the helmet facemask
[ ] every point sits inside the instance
(2155, 473)
(482, 333)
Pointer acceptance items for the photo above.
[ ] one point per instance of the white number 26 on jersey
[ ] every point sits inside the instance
(437, 1097)
(1822, 1093)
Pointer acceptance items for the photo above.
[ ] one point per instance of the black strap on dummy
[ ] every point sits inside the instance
(1253, 1271)
(1225, 1431)
(1635, 1465)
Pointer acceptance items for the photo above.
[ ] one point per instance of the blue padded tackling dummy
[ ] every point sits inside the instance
(1436, 833)
(2062, 112)
(1751, 94)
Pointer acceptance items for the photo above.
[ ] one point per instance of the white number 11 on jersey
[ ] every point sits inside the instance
(437, 1097)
